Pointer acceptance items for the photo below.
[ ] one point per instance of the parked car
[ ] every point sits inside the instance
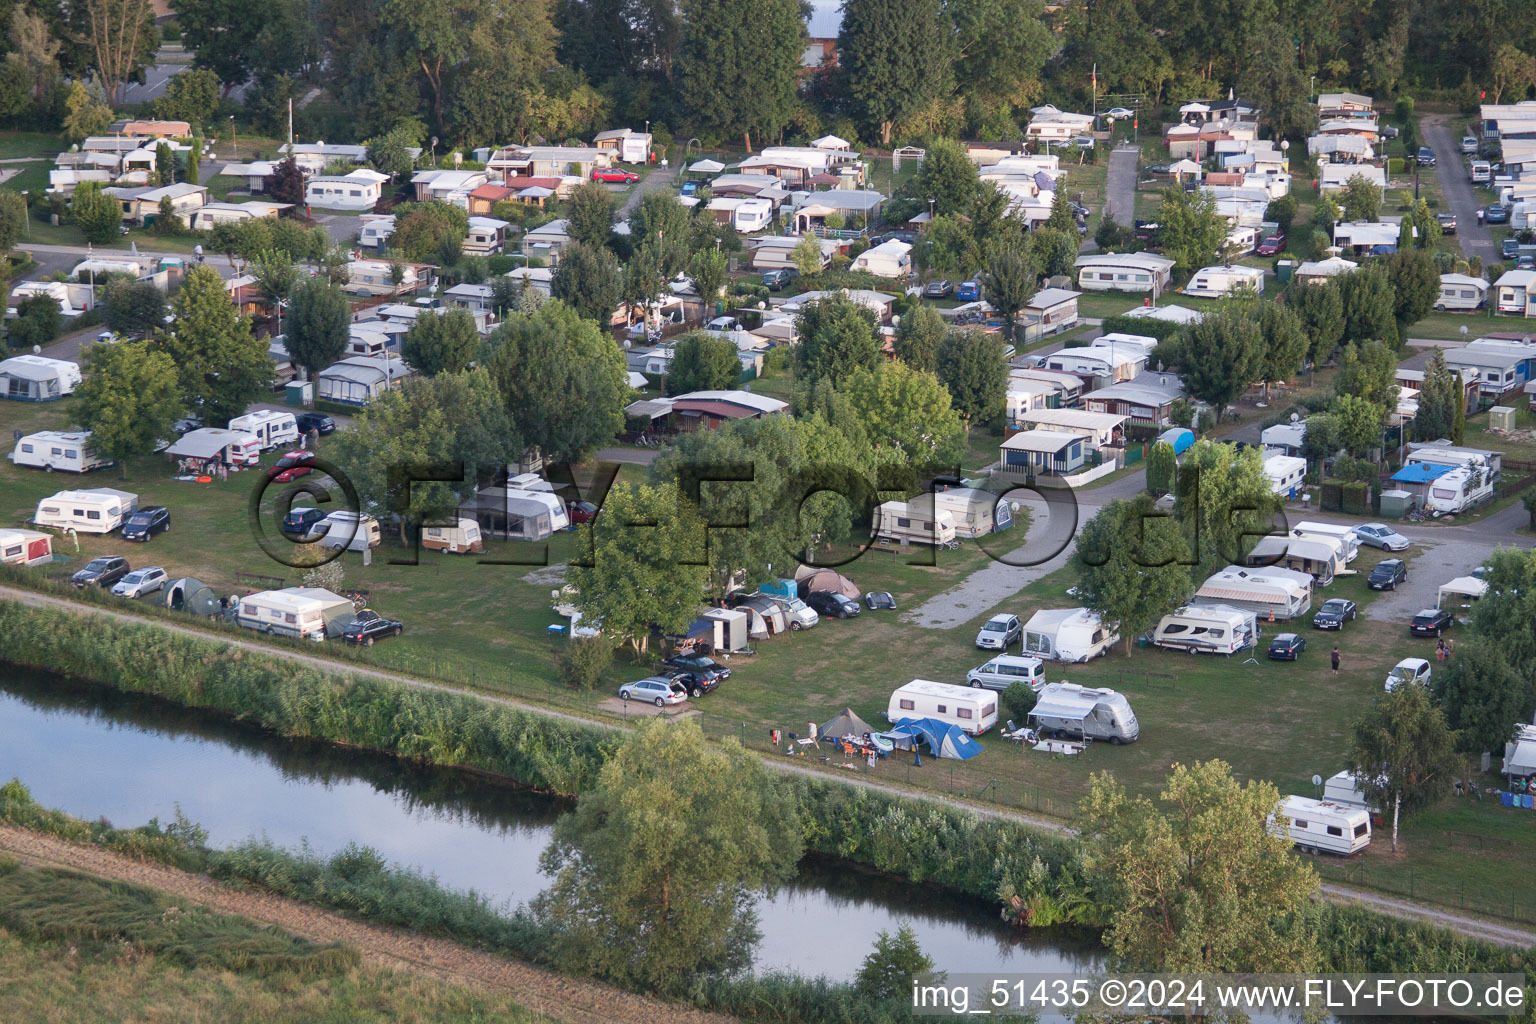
(1469, 143)
(615, 176)
(778, 280)
(1158, 169)
(696, 683)
(187, 424)
(1390, 131)
(1274, 245)
(723, 323)
(146, 522)
(1382, 536)
(370, 626)
(831, 605)
(1426, 157)
(580, 511)
(1509, 248)
(101, 572)
(1447, 222)
(140, 582)
(1334, 613)
(939, 290)
(998, 632)
(1431, 622)
(690, 188)
(1497, 214)
(1409, 670)
(303, 523)
(319, 422)
(1287, 647)
(292, 465)
(1083, 141)
(699, 663)
(970, 291)
(1388, 574)
(659, 690)
(1119, 112)
(880, 600)
(1526, 263)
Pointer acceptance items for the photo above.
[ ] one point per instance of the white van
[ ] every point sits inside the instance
(914, 522)
(272, 429)
(1482, 172)
(67, 451)
(1206, 629)
(1005, 670)
(1067, 709)
(974, 711)
(351, 531)
(1321, 826)
(800, 615)
(462, 538)
(99, 510)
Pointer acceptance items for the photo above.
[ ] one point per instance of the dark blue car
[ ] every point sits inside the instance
(301, 522)
(970, 291)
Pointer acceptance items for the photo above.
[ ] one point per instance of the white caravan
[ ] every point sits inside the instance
(1345, 535)
(25, 547)
(1067, 634)
(98, 510)
(310, 613)
(1068, 709)
(272, 429)
(1321, 826)
(975, 512)
(65, 450)
(462, 538)
(1344, 790)
(914, 522)
(1459, 490)
(972, 710)
(1209, 629)
(351, 531)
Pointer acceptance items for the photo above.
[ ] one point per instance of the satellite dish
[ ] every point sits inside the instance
(36, 349)
(1294, 417)
(1317, 780)
(1463, 330)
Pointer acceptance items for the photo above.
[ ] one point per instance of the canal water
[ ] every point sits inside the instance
(96, 753)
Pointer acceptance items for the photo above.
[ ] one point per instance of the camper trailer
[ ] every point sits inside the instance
(309, 613)
(25, 547)
(975, 512)
(211, 446)
(67, 451)
(1342, 789)
(1274, 593)
(971, 710)
(1219, 282)
(1208, 629)
(29, 378)
(462, 538)
(914, 522)
(1459, 490)
(1067, 634)
(351, 531)
(1345, 535)
(1317, 555)
(272, 429)
(1067, 709)
(1322, 826)
(98, 510)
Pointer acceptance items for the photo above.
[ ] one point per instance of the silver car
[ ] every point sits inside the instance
(140, 582)
(1382, 536)
(999, 632)
(656, 689)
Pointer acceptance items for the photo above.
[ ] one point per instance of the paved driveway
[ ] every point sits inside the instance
(1452, 172)
(1120, 185)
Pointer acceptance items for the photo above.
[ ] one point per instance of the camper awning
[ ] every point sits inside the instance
(1228, 594)
(1072, 711)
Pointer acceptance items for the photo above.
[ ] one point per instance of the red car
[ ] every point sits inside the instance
(292, 465)
(1271, 246)
(615, 175)
(581, 511)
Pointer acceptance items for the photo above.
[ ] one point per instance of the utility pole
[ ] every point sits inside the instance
(290, 125)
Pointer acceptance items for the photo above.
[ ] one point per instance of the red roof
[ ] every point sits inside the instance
(520, 182)
(719, 410)
(492, 192)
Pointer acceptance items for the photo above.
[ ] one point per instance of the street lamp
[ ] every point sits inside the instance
(930, 213)
(235, 135)
(26, 214)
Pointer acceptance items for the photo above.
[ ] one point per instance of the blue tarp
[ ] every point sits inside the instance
(943, 739)
(1178, 438)
(1420, 473)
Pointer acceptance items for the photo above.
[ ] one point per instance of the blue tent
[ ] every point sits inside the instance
(943, 739)
(1179, 438)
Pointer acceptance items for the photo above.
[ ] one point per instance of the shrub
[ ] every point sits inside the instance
(582, 664)
(1020, 700)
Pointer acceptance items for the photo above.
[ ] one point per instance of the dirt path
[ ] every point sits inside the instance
(573, 1000)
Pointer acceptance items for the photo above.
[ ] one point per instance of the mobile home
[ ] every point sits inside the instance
(1459, 489)
(1067, 634)
(1322, 826)
(975, 512)
(29, 378)
(1461, 293)
(1080, 711)
(1274, 594)
(461, 538)
(971, 710)
(1345, 535)
(98, 510)
(213, 445)
(1206, 629)
(272, 429)
(1318, 555)
(25, 547)
(309, 613)
(51, 450)
(350, 531)
(914, 522)
(1285, 474)
(1219, 282)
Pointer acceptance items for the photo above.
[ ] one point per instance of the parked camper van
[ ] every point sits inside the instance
(1067, 709)
(1459, 490)
(1209, 629)
(914, 522)
(1345, 535)
(462, 538)
(98, 510)
(1005, 670)
(305, 612)
(351, 531)
(1067, 634)
(1321, 826)
(272, 429)
(973, 711)
(67, 451)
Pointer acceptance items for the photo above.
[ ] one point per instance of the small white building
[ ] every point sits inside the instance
(630, 146)
(1219, 282)
(891, 259)
(1319, 271)
(355, 191)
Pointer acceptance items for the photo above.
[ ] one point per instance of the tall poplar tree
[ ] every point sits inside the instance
(896, 57)
(739, 64)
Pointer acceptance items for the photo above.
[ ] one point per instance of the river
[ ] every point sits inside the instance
(96, 753)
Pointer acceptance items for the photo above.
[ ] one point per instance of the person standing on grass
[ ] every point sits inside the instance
(1335, 659)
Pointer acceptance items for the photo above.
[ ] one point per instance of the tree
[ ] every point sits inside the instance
(276, 274)
(1132, 560)
(1370, 308)
(165, 164)
(444, 343)
(906, 414)
(658, 867)
(1052, 252)
(894, 965)
(435, 35)
(948, 246)
(1461, 412)
(1219, 356)
(1368, 371)
(33, 60)
(948, 176)
(1356, 424)
(896, 58)
(1161, 466)
(918, 337)
(394, 152)
(223, 367)
(1282, 211)
(192, 96)
(133, 307)
(703, 362)
(589, 214)
(806, 256)
(1415, 286)
(398, 429)
(972, 367)
(1438, 399)
(13, 219)
(564, 381)
(837, 337)
(317, 329)
(86, 112)
(738, 65)
(286, 183)
(1513, 70)
(193, 172)
(1198, 882)
(1062, 217)
(710, 271)
(1321, 309)
(425, 231)
(1402, 753)
(1361, 199)
(1011, 282)
(122, 38)
(38, 321)
(1225, 503)
(587, 279)
(97, 215)
(1002, 47)
(1189, 228)
(1320, 441)
(129, 398)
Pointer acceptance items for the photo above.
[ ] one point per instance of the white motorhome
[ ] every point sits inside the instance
(1321, 826)
(973, 711)
(1068, 709)
(98, 510)
(914, 522)
(1285, 474)
(1209, 629)
(1459, 490)
(1345, 535)
(1067, 634)
(1005, 670)
(65, 450)
(462, 538)
(309, 613)
(351, 531)
(272, 429)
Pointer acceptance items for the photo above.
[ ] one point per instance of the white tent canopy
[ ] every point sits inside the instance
(707, 167)
(1462, 586)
